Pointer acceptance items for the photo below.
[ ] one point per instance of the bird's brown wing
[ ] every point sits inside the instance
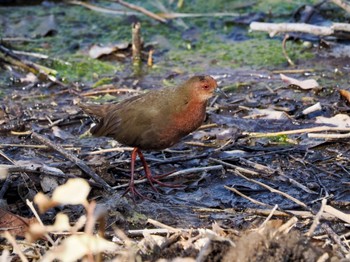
(128, 120)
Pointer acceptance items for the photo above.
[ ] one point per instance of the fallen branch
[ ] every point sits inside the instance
(329, 136)
(282, 176)
(109, 89)
(101, 9)
(274, 29)
(337, 213)
(335, 238)
(15, 246)
(316, 221)
(299, 131)
(80, 163)
(35, 168)
(161, 225)
(266, 212)
(161, 16)
(158, 231)
(272, 190)
(67, 147)
(8, 56)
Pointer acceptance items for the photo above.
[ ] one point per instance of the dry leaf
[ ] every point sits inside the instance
(14, 224)
(44, 202)
(339, 120)
(305, 84)
(73, 192)
(269, 114)
(97, 51)
(345, 93)
(37, 231)
(61, 224)
(77, 246)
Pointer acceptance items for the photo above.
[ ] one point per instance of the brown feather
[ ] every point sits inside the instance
(157, 119)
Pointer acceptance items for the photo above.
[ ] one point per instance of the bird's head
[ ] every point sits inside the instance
(201, 87)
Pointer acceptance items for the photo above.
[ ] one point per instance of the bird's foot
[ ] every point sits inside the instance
(134, 192)
(156, 180)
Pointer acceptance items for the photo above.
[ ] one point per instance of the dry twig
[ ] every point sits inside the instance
(284, 51)
(109, 89)
(161, 225)
(274, 29)
(141, 10)
(178, 173)
(236, 172)
(17, 249)
(8, 56)
(298, 131)
(273, 210)
(256, 202)
(102, 9)
(80, 163)
(317, 218)
(335, 238)
(329, 136)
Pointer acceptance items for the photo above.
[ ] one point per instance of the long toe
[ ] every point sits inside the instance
(154, 180)
(134, 192)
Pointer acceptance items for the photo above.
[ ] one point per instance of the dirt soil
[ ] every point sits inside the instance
(246, 197)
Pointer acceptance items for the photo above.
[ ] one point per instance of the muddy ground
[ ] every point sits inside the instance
(249, 197)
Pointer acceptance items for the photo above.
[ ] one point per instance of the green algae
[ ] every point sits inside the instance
(103, 81)
(78, 28)
(81, 68)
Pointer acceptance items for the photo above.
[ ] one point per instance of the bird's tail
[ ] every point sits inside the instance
(98, 111)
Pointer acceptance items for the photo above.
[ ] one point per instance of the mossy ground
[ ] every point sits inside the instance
(78, 28)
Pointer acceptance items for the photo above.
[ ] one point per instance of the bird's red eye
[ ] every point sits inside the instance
(205, 86)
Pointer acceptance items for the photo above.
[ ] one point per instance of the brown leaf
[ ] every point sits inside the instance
(14, 224)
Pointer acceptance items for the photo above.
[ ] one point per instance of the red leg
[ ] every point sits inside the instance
(131, 187)
(151, 179)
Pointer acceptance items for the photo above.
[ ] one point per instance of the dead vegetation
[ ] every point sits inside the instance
(265, 179)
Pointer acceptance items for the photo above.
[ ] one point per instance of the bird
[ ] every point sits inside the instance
(154, 120)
